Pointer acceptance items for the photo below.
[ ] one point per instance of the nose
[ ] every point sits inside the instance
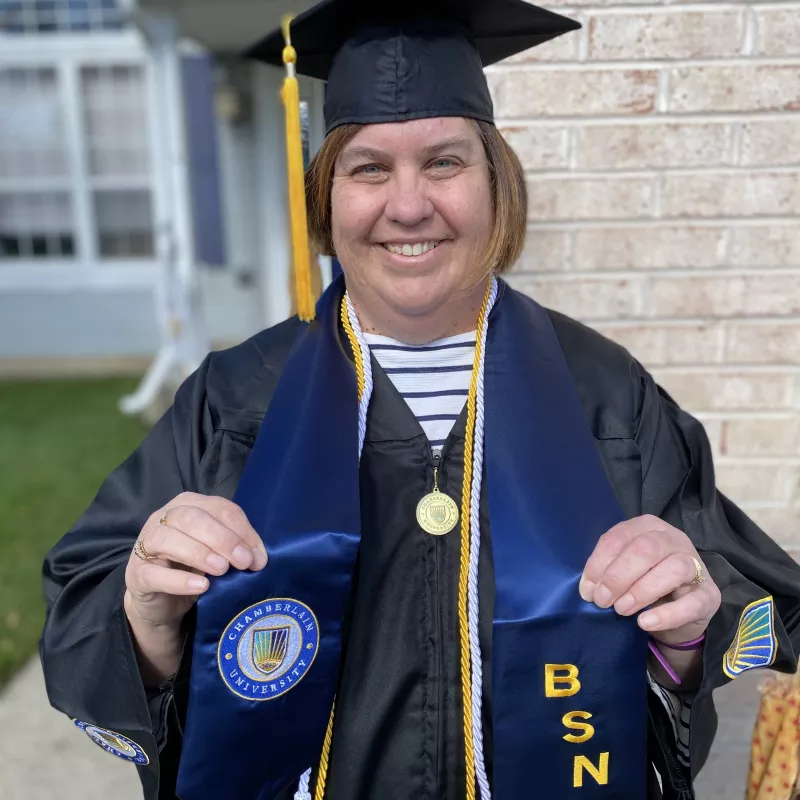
(408, 203)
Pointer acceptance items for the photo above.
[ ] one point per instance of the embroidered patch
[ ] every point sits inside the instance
(114, 743)
(755, 644)
(268, 648)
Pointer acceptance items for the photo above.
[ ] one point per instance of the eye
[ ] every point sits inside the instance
(444, 166)
(369, 171)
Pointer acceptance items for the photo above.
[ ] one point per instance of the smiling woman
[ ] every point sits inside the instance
(509, 196)
(406, 206)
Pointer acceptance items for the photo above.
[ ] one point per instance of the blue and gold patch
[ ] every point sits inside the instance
(114, 743)
(755, 644)
(268, 649)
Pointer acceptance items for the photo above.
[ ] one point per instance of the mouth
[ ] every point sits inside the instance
(409, 250)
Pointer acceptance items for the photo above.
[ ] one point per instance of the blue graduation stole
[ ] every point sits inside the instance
(569, 680)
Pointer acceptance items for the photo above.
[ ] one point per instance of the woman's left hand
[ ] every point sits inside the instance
(646, 562)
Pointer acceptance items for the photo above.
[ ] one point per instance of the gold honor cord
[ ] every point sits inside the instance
(466, 498)
(322, 773)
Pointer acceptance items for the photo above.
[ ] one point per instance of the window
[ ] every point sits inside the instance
(124, 223)
(36, 225)
(115, 123)
(31, 124)
(56, 16)
(115, 120)
(47, 176)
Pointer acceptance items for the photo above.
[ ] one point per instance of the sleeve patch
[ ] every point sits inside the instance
(114, 743)
(755, 644)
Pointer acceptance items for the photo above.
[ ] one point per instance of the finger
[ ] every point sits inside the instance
(610, 545)
(640, 556)
(201, 526)
(152, 577)
(226, 512)
(671, 573)
(170, 544)
(695, 607)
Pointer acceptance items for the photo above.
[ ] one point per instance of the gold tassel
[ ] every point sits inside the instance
(297, 196)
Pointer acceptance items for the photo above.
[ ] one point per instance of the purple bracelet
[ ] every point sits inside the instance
(694, 644)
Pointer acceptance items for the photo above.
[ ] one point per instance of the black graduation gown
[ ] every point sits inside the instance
(397, 733)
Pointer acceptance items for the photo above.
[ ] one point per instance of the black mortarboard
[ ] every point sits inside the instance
(395, 60)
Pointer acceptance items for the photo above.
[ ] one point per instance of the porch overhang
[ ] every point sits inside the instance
(225, 27)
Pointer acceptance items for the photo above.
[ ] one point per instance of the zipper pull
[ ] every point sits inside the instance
(436, 460)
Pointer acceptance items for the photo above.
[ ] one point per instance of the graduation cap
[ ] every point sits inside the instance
(392, 61)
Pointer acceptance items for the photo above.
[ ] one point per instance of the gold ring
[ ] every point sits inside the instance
(699, 577)
(140, 552)
(163, 520)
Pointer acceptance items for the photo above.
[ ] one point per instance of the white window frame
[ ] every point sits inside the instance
(68, 53)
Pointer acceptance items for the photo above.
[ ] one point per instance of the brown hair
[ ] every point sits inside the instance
(507, 181)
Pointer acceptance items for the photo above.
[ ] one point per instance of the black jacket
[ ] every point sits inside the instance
(399, 705)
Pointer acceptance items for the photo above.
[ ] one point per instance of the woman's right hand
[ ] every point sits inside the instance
(189, 538)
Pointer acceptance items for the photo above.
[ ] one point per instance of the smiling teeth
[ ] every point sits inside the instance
(411, 249)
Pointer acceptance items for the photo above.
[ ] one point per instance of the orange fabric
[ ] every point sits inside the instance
(774, 758)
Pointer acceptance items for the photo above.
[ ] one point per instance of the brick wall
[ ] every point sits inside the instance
(663, 150)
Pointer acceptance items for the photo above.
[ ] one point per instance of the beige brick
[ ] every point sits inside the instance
(721, 296)
(723, 390)
(725, 296)
(735, 88)
(584, 298)
(562, 48)
(648, 248)
(646, 146)
(589, 198)
(761, 437)
(665, 34)
(771, 142)
(772, 295)
(782, 524)
(713, 430)
(539, 147)
(763, 343)
(757, 483)
(765, 245)
(659, 345)
(545, 251)
(735, 195)
(778, 31)
(545, 93)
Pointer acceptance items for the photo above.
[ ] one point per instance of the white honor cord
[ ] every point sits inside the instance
(303, 790)
(473, 602)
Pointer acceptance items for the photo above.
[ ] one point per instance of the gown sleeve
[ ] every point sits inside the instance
(678, 485)
(89, 663)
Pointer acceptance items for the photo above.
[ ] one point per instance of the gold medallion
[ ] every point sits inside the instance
(437, 513)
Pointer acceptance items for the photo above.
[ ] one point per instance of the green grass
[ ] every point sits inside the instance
(58, 440)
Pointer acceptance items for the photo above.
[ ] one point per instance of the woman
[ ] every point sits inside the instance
(437, 532)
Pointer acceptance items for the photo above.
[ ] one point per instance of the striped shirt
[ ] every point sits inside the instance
(433, 378)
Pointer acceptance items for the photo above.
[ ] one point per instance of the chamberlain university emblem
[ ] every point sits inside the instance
(114, 743)
(268, 649)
